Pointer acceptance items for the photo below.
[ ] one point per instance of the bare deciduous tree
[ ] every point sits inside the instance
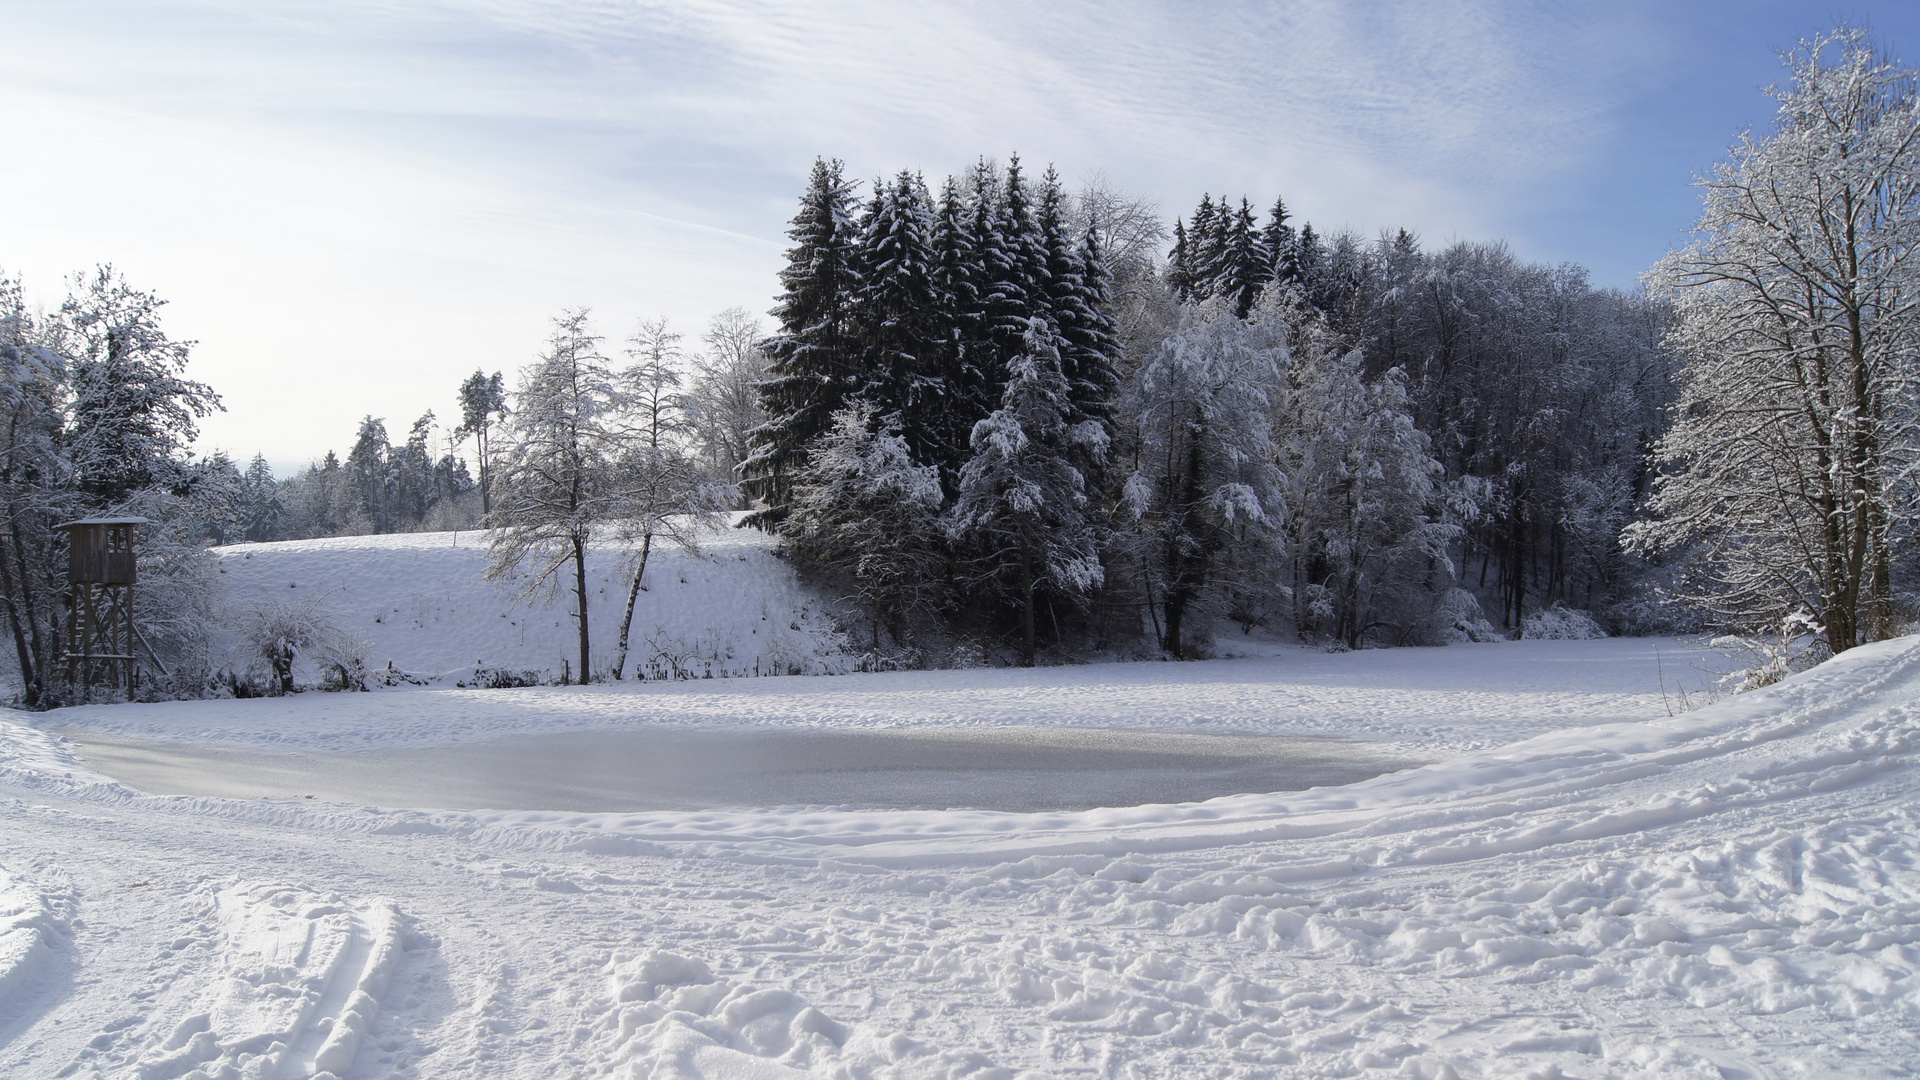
(1798, 308)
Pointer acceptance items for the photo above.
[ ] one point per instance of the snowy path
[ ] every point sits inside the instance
(1732, 892)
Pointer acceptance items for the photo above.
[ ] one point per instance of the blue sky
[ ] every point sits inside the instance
(351, 205)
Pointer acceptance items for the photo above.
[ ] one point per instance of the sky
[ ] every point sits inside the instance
(351, 205)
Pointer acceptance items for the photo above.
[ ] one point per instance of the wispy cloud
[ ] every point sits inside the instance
(393, 193)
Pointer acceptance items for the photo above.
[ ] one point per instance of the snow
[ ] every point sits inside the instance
(417, 603)
(1578, 884)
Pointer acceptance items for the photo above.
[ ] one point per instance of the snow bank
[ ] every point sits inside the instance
(29, 930)
(420, 602)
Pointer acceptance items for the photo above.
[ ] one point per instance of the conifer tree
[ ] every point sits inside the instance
(962, 367)
(1022, 504)
(811, 364)
(1279, 244)
(1013, 268)
(1245, 269)
(897, 311)
(483, 404)
(1179, 272)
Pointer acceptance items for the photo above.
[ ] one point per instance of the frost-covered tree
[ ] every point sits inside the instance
(655, 489)
(1022, 507)
(900, 322)
(811, 368)
(132, 413)
(1792, 456)
(36, 493)
(725, 396)
(553, 482)
(1366, 521)
(1204, 495)
(98, 416)
(263, 513)
(863, 508)
(483, 405)
(369, 476)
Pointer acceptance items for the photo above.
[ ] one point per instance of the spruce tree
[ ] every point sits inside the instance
(897, 313)
(1179, 272)
(1012, 269)
(961, 369)
(812, 370)
(1279, 244)
(1245, 269)
(1022, 505)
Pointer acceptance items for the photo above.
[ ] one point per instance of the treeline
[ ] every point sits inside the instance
(1541, 395)
(983, 419)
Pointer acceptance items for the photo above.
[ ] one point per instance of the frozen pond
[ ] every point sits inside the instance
(677, 768)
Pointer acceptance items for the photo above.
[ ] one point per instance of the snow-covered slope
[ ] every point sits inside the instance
(1733, 892)
(421, 603)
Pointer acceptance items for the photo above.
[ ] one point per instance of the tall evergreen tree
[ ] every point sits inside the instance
(1022, 504)
(1280, 245)
(1245, 268)
(1179, 272)
(1013, 269)
(898, 313)
(812, 369)
(483, 404)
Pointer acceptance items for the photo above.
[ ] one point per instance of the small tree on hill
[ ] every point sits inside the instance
(654, 488)
(553, 483)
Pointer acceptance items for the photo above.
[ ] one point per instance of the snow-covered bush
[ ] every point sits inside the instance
(1457, 619)
(342, 659)
(275, 635)
(1800, 644)
(1561, 624)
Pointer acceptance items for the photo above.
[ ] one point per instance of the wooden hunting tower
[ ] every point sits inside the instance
(101, 571)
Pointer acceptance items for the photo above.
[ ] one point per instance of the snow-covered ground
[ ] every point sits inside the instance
(1581, 886)
(419, 604)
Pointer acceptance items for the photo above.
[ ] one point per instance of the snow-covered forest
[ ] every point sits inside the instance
(1050, 422)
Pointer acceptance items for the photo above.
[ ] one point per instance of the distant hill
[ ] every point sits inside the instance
(420, 604)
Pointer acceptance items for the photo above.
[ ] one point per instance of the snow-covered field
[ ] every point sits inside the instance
(1583, 887)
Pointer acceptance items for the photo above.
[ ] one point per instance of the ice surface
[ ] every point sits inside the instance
(662, 768)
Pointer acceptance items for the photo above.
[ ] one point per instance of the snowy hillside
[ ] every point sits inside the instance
(421, 603)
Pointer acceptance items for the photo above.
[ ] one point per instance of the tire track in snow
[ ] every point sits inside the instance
(295, 981)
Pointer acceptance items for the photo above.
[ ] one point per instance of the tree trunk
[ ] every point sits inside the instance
(1026, 591)
(633, 594)
(1176, 610)
(580, 593)
(28, 683)
(36, 689)
(486, 472)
